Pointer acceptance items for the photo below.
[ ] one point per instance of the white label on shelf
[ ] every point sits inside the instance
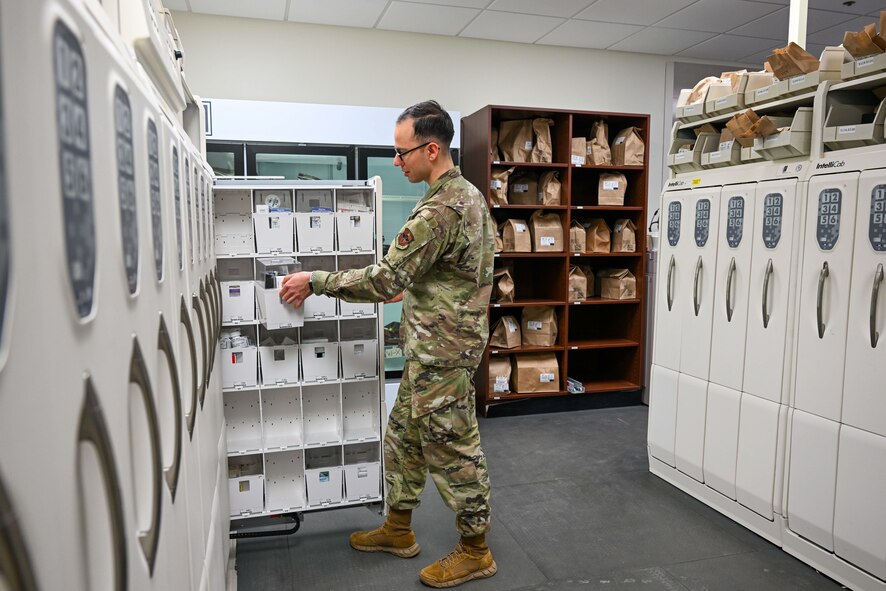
(721, 101)
(763, 91)
(511, 324)
(521, 188)
(578, 160)
(574, 348)
(546, 378)
(798, 79)
(534, 325)
(715, 154)
(520, 227)
(501, 384)
(355, 221)
(726, 146)
(314, 221)
(865, 62)
(846, 129)
(547, 241)
(610, 185)
(527, 145)
(579, 207)
(619, 140)
(496, 184)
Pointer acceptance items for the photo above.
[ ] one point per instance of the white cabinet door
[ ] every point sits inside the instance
(756, 465)
(692, 396)
(860, 511)
(777, 219)
(864, 402)
(699, 260)
(662, 413)
(721, 439)
(669, 306)
(824, 294)
(732, 287)
(812, 477)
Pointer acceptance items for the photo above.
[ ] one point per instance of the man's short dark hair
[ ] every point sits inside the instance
(429, 122)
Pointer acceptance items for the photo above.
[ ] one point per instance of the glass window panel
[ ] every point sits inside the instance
(222, 163)
(302, 166)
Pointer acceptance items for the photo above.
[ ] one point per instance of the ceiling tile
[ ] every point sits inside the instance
(267, 9)
(563, 8)
(756, 59)
(508, 26)
(661, 41)
(426, 18)
(576, 33)
(633, 12)
(834, 35)
(717, 16)
(344, 13)
(462, 3)
(729, 48)
(859, 7)
(775, 25)
(181, 5)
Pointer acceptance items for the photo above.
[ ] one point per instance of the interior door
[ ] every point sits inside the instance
(671, 281)
(824, 294)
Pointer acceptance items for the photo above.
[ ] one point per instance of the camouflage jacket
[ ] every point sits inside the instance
(442, 261)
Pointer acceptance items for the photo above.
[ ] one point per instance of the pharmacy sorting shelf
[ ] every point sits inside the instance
(302, 391)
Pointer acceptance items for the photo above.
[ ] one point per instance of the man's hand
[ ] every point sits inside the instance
(395, 299)
(295, 289)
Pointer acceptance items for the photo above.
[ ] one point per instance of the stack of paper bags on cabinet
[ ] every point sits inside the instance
(527, 187)
(747, 126)
(628, 148)
(539, 326)
(594, 149)
(577, 237)
(791, 60)
(547, 232)
(624, 236)
(867, 41)
(598, 236)
(581, 283)
(611, 189)
(616, 284)
(498, 186)
(535, 372)
(499, 374)
(503, 287)
(515, 236)
(526, 140)
(506, 333)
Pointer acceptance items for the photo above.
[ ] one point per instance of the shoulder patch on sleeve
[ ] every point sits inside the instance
(405, 238)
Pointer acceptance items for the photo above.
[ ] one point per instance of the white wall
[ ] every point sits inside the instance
(292, 62)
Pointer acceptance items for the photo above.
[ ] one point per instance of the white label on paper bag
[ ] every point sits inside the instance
(578, 160)
(846, 129)
(619, 140)
(496, 184)
(527, 145)
(547, 241)
(798, 79)
(520, 227)
(511, 323)
(534, 325)
(501, 384)
(610, 185)
(521, 188)
(546, 378)
(865, 62)
(726, 146)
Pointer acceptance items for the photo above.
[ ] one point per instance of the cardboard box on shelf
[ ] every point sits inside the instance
(515, 140)
(577, 237)
(549, 188)
(523, 188)
(599, 153)
(542, 151)
(628, 148)
(624, 236)
(499, 375)
(515, 236)
(578, 284)
(506, 333)
(616, 284)
(598, 236)
(547, 232)
(498, 186)
(535, 372)
(539, 326)
(611, 189)
(503, 286)
(579, 151)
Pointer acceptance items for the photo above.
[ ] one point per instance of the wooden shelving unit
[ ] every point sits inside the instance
(600, 341)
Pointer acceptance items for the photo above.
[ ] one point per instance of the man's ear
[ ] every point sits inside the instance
(433, 151)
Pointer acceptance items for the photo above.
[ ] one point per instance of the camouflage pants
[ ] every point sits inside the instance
(444, 442)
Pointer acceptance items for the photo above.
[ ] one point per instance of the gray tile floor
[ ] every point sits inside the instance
(574, 507)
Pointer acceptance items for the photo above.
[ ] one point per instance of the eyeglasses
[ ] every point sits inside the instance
(402, 155)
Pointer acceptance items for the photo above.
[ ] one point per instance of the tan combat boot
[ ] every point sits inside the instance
(394, 537)
(470, 560)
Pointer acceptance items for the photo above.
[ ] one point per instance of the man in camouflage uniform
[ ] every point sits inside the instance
(441, 265)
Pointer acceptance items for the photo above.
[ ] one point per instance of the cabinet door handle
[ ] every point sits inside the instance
(94, 430)
(819, 314)
(766, 277)
(210, 328)
(164, 344)
(695, 298)
(671, 266)
(138, 375)
(875, 296)
(185, 316)
(730, 308)
(198, 308)
(15, 563)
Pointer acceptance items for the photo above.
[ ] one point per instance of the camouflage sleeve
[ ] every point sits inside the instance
(416, 248)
